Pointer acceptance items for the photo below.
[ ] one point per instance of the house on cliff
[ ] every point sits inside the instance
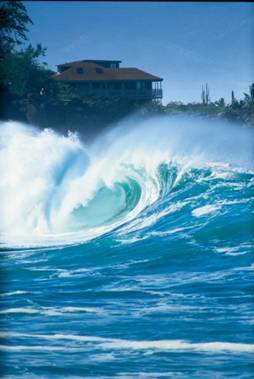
(105, 78)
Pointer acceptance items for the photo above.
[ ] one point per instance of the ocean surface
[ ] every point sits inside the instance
(130, 256)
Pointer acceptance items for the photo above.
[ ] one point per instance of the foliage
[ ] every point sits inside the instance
(205, 95)
(13, 25)
(242, 110)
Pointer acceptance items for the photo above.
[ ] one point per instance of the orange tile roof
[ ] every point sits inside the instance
(94, 72)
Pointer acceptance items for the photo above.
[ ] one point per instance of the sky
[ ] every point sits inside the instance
(187, 44)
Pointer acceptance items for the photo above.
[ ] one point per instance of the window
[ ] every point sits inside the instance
(80, 70)
(99, 70)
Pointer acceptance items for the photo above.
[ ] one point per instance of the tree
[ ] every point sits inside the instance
(252, 93)
(205, 95)
(220, 103)
(19, 70)
(233, 99)
(249, 98)
(14, 21)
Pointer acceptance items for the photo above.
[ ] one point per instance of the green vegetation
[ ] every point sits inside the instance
(29, 93)
(238, 110)
(13, 25)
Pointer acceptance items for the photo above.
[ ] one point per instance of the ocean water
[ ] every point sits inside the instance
(127, 257)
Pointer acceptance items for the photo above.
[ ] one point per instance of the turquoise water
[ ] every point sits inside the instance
(131, 257)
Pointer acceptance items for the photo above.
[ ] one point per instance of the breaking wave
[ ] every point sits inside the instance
(57, 190)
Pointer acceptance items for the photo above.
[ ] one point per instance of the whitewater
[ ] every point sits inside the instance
(128, 256)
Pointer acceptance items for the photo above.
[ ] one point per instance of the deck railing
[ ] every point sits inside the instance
(128, 93)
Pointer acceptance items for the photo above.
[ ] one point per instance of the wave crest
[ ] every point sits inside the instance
(55, 190)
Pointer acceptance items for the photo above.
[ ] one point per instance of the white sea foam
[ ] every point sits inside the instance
(32, 348)
(171, 231)
(52, 311)
(19, 310)
(206, 209)
(113, 343)
(102, 357)
(71, 273)
(130, 240)
(14, 293)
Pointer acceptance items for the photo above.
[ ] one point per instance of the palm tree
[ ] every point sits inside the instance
(249, 98)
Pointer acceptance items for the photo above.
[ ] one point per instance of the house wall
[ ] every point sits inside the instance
(130, 89)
